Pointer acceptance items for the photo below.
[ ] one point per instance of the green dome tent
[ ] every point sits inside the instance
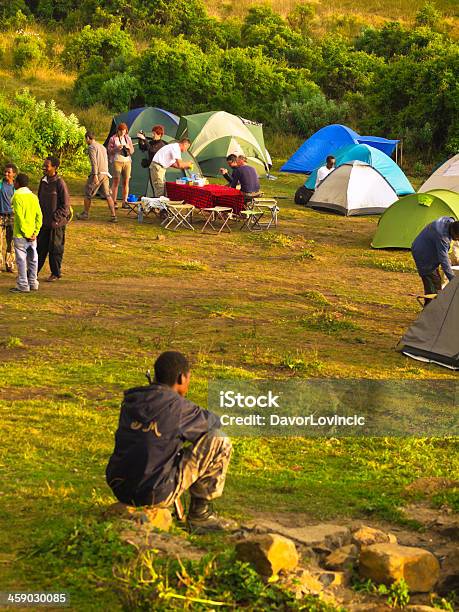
(144, 119)
(217, 134)
(405, 219)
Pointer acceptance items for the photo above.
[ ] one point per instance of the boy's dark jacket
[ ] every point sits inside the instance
(54, 201)
(154, 423)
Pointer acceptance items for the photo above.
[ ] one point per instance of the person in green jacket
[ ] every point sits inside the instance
(27, 223)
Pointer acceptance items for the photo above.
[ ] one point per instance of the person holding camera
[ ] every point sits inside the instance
(151, 145)
(120, 149)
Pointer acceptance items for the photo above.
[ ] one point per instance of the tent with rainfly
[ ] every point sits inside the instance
(384, 164)
(215, 135)
(144, 119)
(434, 337)
(444, 177)
(354, 188)
(404, 220)
(327, 141)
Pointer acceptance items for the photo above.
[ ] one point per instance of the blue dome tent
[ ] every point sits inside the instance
(375, 158)
(326, 141)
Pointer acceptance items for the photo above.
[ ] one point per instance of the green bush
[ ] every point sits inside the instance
(28, 50)
(307, 117)
(180, 75)
(92, 46)
(119, 91)
(31, 130)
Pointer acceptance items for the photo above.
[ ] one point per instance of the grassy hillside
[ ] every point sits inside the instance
(352, 12)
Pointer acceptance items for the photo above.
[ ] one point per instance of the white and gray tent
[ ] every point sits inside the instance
(434, 336)
(444, 177)
(354, 188)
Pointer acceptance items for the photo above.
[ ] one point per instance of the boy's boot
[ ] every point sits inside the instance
(202, 519)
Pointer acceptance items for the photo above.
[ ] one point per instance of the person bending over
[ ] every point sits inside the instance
(166, 157)
(152, 464)
(430, 250)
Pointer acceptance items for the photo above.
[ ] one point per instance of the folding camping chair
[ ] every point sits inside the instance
(217, 214)
(265, 205)
(133, 207)
(178, 214)
(252, 220)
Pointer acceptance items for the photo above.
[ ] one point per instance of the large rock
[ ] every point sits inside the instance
(342, 559)
(268, 553)
(366, 536)
(386, 563)
(449, 580)
(322, 536)
(158, 518)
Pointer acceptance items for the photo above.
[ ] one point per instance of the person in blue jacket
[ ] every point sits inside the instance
(430, 250)
(6, 218)
(165, 445)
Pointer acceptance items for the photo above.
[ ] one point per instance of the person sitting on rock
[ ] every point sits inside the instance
(151, 463)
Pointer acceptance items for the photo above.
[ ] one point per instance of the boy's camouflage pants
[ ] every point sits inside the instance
(6, 243)
(202, 468)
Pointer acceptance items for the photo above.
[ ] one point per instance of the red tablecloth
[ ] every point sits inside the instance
(207, 196)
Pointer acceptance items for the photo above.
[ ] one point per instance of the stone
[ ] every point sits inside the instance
(158, 518)
(268, 553)
(343, 558)
(365, 536)
(420, 608)
(334, 579)
(309, 583)
(322, 536)
(386, 563)
(449, 580)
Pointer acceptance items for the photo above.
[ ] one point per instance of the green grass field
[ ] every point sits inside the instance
(237, 305)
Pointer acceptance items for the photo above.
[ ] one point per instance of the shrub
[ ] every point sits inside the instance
(180, 73)
(96, 46)
(119, 91)
(343, 70)
(307, 117)
(28, 50)
(31, 130)
(10, 8)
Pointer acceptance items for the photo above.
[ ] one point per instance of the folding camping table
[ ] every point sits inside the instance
(216, 214)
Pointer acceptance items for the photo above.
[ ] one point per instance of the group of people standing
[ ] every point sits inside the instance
(32, 228)
(115, 162)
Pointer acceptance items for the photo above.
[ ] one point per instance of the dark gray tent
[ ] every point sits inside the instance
(434, 336)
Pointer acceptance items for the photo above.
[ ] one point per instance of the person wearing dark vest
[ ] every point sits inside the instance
(165, 445)
(152, 145)
(430, 250)
(55, 205)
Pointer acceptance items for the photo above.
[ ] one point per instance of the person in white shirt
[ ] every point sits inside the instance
(169, 156)
(324, 171)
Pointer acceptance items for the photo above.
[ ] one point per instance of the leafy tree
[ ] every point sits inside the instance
(301, 16)
(179, 75)
(418, 96)
(100, 44)
(428, 16)
(344, 70)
